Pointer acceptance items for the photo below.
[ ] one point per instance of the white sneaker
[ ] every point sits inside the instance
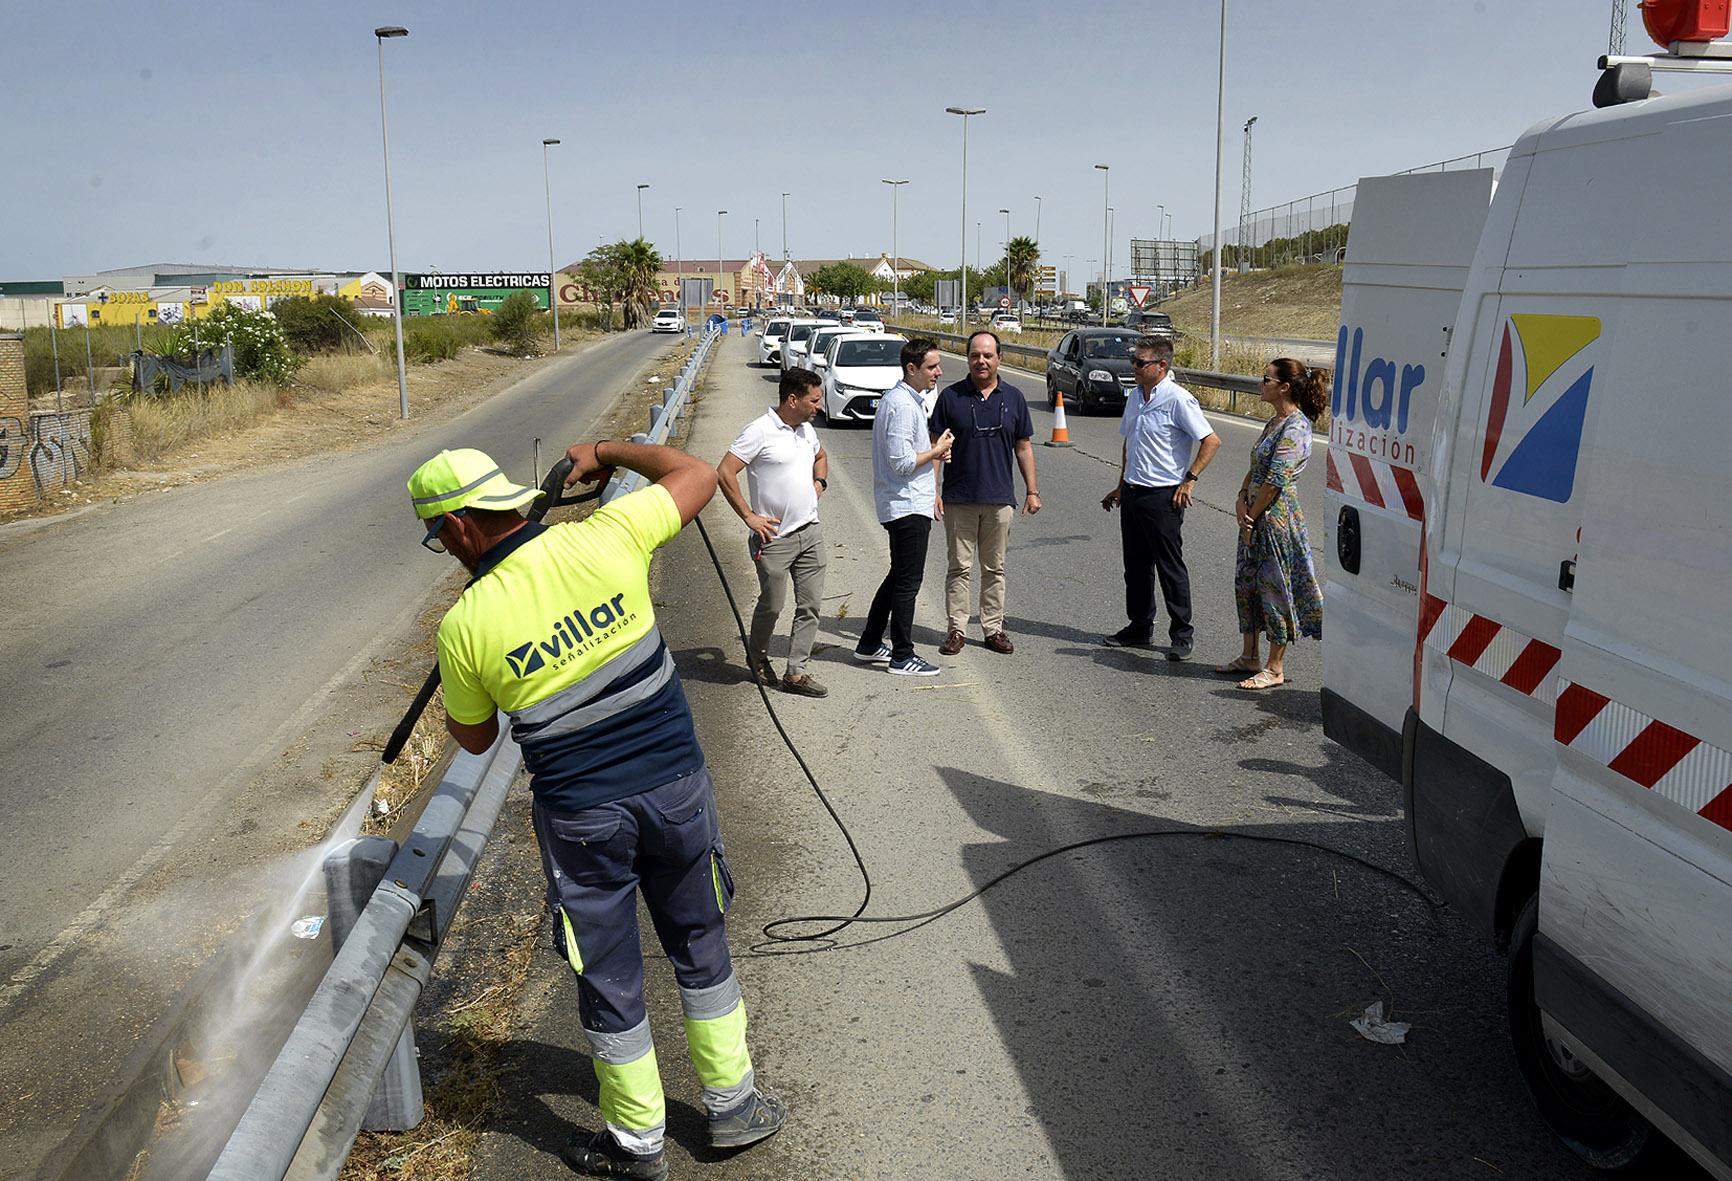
(879, 655)
(914, 667)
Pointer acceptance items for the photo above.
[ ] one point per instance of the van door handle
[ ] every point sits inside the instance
(1347, 539)
(1567, 575)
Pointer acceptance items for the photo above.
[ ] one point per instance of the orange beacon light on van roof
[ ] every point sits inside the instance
(1671, 21)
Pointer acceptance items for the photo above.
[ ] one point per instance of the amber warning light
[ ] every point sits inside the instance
(1671, 21)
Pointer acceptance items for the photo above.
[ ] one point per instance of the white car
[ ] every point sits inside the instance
(794, 343)
(1006, 322)
(813, 357)
(770, 340)
(868, 320)
(668, 320)
(859, 367)
(947, 316)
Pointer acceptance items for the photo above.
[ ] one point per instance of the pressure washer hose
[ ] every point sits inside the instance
(776, 942)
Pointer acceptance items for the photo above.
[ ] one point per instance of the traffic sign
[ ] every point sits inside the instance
(1004, 301)
(1138, 293)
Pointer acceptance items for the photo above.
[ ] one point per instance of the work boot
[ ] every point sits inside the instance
(1128, 637)
(598, 1154)
(802, 685)
(759, 1117)
(952, 643)
(1000, 643)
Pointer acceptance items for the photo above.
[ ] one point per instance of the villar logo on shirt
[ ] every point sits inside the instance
(567, 635)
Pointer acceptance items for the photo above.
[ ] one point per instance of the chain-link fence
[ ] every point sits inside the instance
(1312, 229)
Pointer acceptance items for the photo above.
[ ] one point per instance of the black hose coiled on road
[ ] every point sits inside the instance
(777, 943)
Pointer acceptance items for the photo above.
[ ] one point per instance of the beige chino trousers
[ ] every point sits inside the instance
(974, 531)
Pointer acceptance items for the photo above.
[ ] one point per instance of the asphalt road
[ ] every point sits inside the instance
(156, 654)
(1173, 1006)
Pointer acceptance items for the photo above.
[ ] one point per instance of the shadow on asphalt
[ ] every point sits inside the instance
(716, 666)
(1179, 1006)
(538, 1125)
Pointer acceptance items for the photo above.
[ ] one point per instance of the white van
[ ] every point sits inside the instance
(1529, 585)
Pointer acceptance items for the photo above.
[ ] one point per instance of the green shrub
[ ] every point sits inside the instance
(261, 351)
(318, 325)
(430, 338)
(515, 323)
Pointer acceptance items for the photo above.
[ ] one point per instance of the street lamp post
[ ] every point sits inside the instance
(1215, 271)
(1009, 289)
(784, 248)
(965, 112)
(379, 35)
(1037, 271)
(552, 275)
(720, 213)
(895, 252)
(640, 190)
(680, 262)
(1106, 235)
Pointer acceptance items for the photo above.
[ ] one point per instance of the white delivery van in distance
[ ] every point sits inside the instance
(1529, 591)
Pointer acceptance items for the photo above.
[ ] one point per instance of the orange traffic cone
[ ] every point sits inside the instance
(1060, 430)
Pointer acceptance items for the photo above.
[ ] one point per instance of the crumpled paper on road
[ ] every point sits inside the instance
(1373, 1028)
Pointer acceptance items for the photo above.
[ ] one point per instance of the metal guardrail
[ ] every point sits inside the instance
(350, 1059)
(1234, 384)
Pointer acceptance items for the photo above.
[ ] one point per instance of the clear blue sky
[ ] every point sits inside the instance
(249, 134)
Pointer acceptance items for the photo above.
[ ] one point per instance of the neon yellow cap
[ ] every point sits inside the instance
(464, 478)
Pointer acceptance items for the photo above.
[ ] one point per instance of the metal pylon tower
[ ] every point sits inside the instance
(1620, 19)
(1245, 202)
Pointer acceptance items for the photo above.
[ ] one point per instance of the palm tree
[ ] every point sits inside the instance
(1024, 255)
(639, 267)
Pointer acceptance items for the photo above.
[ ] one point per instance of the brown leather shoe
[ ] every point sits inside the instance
(952, 644)
(1000, 643)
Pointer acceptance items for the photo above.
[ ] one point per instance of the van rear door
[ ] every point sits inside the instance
(1412, 242)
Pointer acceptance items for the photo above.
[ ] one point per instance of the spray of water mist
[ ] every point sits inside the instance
(233, 1030)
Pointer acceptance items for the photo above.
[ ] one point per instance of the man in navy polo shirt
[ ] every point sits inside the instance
(993, 432)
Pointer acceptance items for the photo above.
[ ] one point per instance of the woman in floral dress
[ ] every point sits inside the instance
(1274, 581)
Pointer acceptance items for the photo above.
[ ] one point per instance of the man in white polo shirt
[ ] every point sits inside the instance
(787, 471)
(1162, 424)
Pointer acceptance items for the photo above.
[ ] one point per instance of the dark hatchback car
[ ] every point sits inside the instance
(1092, 368)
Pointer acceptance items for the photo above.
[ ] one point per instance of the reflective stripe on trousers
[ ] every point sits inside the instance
(667, 844)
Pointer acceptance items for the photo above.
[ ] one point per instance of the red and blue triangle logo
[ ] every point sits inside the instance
(1532, 448)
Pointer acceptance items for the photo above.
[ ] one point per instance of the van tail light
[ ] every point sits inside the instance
(1670, 21)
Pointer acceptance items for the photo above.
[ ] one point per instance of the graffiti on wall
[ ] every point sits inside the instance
(12, 447)
(59, 451)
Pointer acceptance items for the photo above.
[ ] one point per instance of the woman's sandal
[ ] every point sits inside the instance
(1242, 664)
(1263, 680)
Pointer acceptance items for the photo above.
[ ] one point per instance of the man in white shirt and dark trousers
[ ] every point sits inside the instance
(905, 492)
(1157, 476)
(788, 472)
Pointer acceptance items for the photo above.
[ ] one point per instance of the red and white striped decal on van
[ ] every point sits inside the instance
(1487, 646)
(1672, 764)
(1375, 482)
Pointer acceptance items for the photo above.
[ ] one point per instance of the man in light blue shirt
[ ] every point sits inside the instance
(1157, 473)
(905, 459)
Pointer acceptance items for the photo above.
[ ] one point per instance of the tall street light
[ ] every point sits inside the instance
(1106, 233)
(640, 190)
(1215, 271)
(757, 298)
(552, 275)
(680, 262)
(380, 34)
(965, 112)
(1007, 286)
(1037, 246)
(784, 227)
(895, 252)
(720, 213)
(1112, 216)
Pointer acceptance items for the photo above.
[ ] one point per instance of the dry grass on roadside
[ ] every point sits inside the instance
(158, 424)
(331, 374)
(461, 1099)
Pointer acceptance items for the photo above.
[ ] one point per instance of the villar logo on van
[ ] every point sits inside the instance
(1546, 440)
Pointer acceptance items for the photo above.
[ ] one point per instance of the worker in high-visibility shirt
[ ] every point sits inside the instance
(556, 629)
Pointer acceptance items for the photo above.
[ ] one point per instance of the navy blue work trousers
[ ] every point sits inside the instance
(666, 842)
